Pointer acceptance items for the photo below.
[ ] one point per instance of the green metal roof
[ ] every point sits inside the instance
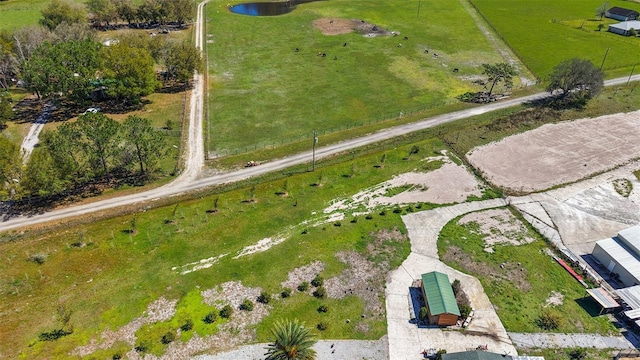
(475, 355)
(438, 293)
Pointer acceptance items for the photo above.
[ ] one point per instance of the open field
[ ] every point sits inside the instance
(108, 275)
(541, 36)
(262, 90)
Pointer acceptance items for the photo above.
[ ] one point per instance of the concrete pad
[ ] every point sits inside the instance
(543, 340)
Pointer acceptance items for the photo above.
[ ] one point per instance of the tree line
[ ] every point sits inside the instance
(93, 149)
(103, 13)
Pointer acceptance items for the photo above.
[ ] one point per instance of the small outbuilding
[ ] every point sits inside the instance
(442, 308)
(621, 14)
(485, 355)
(624, 28)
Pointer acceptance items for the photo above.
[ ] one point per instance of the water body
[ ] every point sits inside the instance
(266, 8)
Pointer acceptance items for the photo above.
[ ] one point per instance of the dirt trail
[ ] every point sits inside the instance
(32, 137)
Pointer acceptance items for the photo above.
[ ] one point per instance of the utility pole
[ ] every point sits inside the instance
(633, 68)
(315, 141)
(605, 58)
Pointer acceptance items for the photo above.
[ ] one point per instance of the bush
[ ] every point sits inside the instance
(369, 217)
(226, 311)
(211, 317)
(54, 334)
(383, 213)
(577, 354)
(320, 292)
(397, 210)
(142, 346)
(439, 354)
(465, 310)
(317, 281)
(423, 313)
(116, 356)
(337, 224)
(168, 338)
(322, 326)
(188, 325)
(286, 292)
(354, 220)
(456, 286)
(303, 287)
(323, 309)
(38, 258)
(264, 297)
(246, 305)
(548, 321)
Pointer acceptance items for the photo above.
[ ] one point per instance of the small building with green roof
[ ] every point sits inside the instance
(442, 308)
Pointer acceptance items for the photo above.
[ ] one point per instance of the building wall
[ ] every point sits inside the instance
(616, 17)
(447, 319)
(605, 259)
(618, 31)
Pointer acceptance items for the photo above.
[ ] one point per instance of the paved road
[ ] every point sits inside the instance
(194, 154)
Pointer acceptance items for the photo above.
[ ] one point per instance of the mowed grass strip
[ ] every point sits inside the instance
(519, 308)
(107, 275)
(263, 91)
(537, 31)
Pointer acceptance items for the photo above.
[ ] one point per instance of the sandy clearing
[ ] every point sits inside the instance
(559, 153)
(499, 226)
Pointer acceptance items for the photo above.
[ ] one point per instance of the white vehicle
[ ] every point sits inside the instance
(91, 110)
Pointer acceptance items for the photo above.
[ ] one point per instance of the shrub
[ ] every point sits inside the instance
(397, 210)
(337, 224)
(383, 213)
(188, 325)
(414, 150)
(548, 321)
(320, 292)
(116, 356)
(210, 318)
(369, 217)
(264, 297)
(226, 311)
(577, 354)
(317, 281)
(322, 326)
(456, 286)
(465, 310)
(439, 354)
(354, 220)
(246, 305)
(303, 287)
(168, 338)
(38, 258)
(423, 313)
(323, 309)
(286, 292)
(142, 346)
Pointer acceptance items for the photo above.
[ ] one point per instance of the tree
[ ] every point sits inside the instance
(60, 11)
(291, 340)
(9, 66)
(63, 68)
(41, 176)
(148, 144)
(29, 38)
(100, 140)
(576, 79)
(601, 11)
(499, 72)
(103, 11)
(182, 60)
(10, 166)
(129, 72)
(125, 10)
(180, 10)
(66, 150)
(6, 111)
(78, 32)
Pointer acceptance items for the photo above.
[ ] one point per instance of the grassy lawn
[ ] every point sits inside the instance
(520, 303)
(262, 91)
(543, 33)
(108, 276)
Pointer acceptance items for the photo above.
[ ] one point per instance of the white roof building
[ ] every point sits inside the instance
(621, 255)
(624, 28)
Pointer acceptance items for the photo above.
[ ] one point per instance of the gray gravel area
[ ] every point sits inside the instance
(325, 349)
(544, 340)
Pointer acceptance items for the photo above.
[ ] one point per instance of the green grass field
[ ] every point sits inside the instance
(519, 308)
(543, 33)
(261, 90)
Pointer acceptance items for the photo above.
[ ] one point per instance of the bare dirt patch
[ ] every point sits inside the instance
(333, 26)
(499, 226)
(303, 273)
(554, 299)
(556, 153)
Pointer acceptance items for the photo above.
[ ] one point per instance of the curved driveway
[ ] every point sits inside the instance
(194, 153)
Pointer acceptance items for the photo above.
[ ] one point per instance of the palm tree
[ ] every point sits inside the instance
(291, 341)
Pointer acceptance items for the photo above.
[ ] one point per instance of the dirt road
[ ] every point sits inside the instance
(193, 155)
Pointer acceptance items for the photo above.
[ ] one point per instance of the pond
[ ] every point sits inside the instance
(266, 8)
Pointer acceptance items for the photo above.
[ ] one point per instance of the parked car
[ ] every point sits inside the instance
(91, 110)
